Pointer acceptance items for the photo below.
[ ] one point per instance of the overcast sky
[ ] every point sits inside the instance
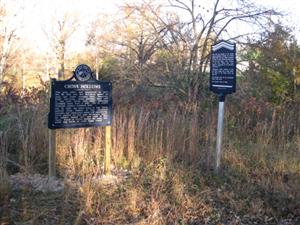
(37, 13)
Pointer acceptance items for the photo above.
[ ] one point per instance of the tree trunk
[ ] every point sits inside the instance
(61, 61)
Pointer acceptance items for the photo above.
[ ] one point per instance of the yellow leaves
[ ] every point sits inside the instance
(297, 81)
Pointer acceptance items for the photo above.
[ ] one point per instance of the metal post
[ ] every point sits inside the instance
(220, 131)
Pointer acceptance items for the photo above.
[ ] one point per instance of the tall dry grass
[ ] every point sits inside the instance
(182, 134)
(144, 132)
(167, 145)
(4, 180)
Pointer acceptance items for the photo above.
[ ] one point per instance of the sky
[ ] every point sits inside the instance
(37, 15)
(290, 7)
(38, 18)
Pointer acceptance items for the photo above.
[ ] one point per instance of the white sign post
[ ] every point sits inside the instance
(219, 133)
(222, 82)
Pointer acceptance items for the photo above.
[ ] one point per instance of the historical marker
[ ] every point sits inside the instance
(222, 82)
(85, 102)
(81, 101)
(223, 68)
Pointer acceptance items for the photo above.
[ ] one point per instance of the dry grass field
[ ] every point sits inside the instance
(162, 165)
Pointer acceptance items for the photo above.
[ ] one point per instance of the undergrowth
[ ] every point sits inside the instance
(169, 152)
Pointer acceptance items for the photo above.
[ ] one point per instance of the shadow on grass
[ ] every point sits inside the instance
(29, 206)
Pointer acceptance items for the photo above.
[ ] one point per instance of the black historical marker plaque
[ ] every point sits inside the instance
(223, 68)
(75, 104)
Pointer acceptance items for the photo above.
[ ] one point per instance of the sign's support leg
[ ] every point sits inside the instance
(52, 149)
(52, 152)
(107, 150)
(220, 132)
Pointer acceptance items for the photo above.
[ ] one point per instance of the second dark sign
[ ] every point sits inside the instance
(223, 68)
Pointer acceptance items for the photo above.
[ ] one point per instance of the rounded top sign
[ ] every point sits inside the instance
(83, 72)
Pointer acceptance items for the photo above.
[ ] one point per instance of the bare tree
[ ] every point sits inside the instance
(134, 37)
(209, 23)
(8, 37)
(99, 39)
(63, 27)
(185, 30)
(140, 33)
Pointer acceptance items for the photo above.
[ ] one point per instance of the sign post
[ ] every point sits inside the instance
(107, 150)
(222, 82)
(220, 131)
(52, 153)
(83, 102)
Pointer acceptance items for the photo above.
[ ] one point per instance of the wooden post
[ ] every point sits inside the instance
(52, 148)
(107, 150)
(52, 153)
